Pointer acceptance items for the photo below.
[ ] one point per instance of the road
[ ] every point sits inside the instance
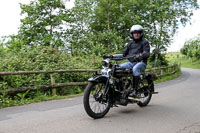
(176, 109)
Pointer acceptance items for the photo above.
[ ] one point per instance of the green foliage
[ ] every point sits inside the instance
(6, 101)
(43, 58)
(22, 95)
(43, 24)
(178, 58)
(22, 98)
(157, 60)
(3, 51)
(184, 50)
(102, 18)
(191, 48)
(170, 77)
(99, 26)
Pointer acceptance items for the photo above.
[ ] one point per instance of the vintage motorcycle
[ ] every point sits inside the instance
(111, 87)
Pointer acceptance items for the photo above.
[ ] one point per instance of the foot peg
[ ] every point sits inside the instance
(154, 92)
(132, 94)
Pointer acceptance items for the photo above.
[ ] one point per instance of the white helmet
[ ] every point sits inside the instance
(136, 28)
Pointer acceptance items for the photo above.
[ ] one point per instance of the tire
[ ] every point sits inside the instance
(95, 105)
(148, 95)
(144, 102)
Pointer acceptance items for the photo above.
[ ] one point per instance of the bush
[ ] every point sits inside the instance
(44, 58)
(161, 60)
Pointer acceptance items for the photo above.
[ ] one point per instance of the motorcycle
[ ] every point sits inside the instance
(112, 85)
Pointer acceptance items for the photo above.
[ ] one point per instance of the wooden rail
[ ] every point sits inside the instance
(53, 71)
(54, 85)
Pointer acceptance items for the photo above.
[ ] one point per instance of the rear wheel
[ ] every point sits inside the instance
(96, 104)
(145, 88)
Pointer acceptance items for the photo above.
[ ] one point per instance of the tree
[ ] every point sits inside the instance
(43, 23)
(191, 48)
(184, 49)
(160, 19)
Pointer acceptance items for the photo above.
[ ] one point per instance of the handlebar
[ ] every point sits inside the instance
(118, 57)
(122, 58)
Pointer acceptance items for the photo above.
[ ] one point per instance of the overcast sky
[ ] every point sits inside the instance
(10, 21)
(10, 15)
(187, 32)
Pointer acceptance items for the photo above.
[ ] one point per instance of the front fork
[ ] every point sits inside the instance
(109, 92)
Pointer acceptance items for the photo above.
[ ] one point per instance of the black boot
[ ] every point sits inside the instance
(134, 85)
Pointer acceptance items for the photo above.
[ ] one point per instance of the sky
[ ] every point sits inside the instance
(10, 15)
(185, 33)
(10, 21)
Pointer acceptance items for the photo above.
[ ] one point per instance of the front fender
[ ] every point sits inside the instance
(99, 78)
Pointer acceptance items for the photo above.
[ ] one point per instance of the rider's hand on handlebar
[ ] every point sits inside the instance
(107, 56)
(138, 57)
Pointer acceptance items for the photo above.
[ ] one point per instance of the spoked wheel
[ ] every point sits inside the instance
(145, 94)
(96, 104)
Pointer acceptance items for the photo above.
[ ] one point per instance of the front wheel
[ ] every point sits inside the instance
(96, 104)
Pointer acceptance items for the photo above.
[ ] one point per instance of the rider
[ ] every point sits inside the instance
(139, 47)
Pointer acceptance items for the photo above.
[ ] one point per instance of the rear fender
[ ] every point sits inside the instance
(150, 78)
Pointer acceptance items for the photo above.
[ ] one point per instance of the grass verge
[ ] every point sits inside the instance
(169, 77)
(177, 58)
(5, 101)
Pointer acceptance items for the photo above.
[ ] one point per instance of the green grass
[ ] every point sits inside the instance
(177, 57)
(169, 77)
(7, 102)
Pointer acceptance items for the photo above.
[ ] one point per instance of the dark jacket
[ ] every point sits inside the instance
(137, 47)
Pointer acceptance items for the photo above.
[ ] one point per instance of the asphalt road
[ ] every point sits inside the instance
(176, 109)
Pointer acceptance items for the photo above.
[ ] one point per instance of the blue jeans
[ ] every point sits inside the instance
(137, 67)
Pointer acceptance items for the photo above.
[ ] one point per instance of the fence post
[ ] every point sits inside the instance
(168, 69)
(179, 64)
(53, 81)
(174, 67)
(161, 72)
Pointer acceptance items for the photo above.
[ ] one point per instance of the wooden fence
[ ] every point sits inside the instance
(53, 85)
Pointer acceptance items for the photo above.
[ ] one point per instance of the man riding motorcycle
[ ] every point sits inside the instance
(139, 47)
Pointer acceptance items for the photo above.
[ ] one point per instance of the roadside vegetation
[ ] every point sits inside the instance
(52, 37)
(189, 55)
(49, 58)
(184, 61)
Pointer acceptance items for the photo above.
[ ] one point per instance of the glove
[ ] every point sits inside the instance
(138, 57)
(107, 56)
